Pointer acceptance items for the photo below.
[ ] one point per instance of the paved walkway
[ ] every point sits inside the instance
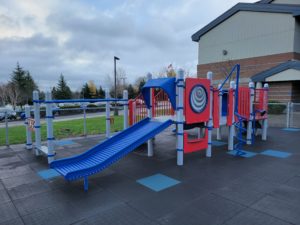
(263, 188)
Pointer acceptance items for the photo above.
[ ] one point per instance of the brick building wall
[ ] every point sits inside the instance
(249, 66)
(280, 91)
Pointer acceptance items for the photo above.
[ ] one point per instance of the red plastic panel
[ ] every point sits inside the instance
(192, 116)
(261, 103)
(195, 144)
(216, 110)
(244, 102)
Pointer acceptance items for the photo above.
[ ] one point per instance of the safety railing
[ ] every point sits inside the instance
(161, 106)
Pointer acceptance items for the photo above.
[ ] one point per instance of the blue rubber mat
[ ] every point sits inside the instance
(48, 174)
(218, 143)
(246, 155)
(158, 182)
(275, 153)
(64, 142)
(291, 129)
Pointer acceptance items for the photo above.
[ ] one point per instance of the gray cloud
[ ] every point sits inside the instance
(79, 39)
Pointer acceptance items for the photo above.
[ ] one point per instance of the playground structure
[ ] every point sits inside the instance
(34, 124)
(187, 103)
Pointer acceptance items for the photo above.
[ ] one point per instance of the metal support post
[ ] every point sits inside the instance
(37, 122)
(219, 134)
(251, 119)
(210, 122)
(125, 97)
(49, 120)
(179, 116)
(149, 112)
(6, 128)
(231, 127)
(107, 109)
(84, 121)
(265, 121)
(28, 130)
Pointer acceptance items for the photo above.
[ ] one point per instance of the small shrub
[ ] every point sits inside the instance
(276, 108)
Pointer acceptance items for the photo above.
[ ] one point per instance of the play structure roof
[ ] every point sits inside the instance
(167, 84)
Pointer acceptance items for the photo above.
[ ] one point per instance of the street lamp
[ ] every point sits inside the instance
(115, 70)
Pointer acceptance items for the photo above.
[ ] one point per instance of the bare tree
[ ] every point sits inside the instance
(121, 82)
(14, 94)
(3, 94)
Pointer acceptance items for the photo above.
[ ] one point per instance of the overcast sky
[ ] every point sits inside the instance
(79, 38)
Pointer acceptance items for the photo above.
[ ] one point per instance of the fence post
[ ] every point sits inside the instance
(265, 121)
(210, 122)
(28, 130)
(251, 119)
(231, 127)
(37, 122)
(292, 115)
(219, 134)
(179, 116)
(125, 96)
(6, 129)
(84, 121)
(107, 110)
(149, 112)
(288, 113)
(50, 137)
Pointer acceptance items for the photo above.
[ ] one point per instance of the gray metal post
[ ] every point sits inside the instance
(292, 115)
(28, 130)
(219, 134)
(125, 96)
(251, 119)
(84, 121)
(6, 129)
(37, 122)
(179, 116)
(265, 121)
(231, 127)
(50, 137)
(210, 121)
(149, 112)
(107, 109)
(288, 113)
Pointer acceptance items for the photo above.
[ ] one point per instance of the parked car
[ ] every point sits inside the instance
(11, 114)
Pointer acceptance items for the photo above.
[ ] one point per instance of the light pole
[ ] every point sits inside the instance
(115, 70)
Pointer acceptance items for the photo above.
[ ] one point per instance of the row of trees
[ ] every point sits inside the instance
(18, 90)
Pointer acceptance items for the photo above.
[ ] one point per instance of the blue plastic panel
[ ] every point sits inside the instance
(167, 84)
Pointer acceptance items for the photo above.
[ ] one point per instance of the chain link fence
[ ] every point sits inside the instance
(8, 123)
(281, 115)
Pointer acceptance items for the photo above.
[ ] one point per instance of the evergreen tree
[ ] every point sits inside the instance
(101, 92)
(85, 91)
(23, 81)
(30, 86)
(131, 92)
(141, 85)
(62, 90)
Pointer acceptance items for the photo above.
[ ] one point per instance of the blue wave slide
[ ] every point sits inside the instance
(106, 153)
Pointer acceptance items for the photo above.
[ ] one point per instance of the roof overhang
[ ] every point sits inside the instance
(263, 76)
(251, 7)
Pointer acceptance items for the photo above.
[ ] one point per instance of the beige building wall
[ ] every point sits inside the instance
(286, 2)
(287, 75)
(297, 35)
(247, 35)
